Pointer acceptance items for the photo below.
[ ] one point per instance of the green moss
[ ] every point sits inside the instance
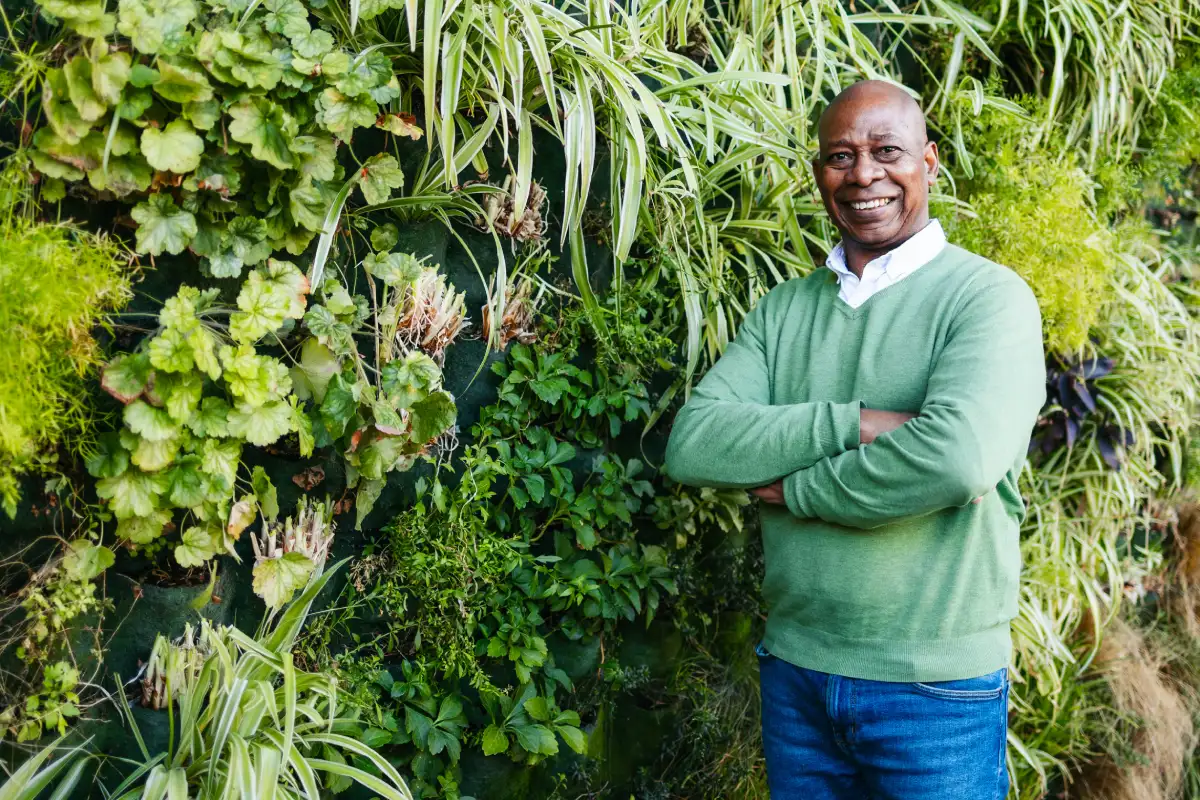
(1036, 213)
(58, 283)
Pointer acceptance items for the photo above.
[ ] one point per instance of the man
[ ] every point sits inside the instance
(881, 409)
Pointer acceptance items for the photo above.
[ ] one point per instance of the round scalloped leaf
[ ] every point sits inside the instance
(126, 376)
(144, 529)
(133, 493)
(156, 26)
(110, 72)
(277, 579)
(261, 425)
(149, 422)
(163, 227)
(181, 81)
(78, 72)
(199, 545)
(176, 148)
(266, 128)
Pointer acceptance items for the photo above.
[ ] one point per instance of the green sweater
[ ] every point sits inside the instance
(880, 566)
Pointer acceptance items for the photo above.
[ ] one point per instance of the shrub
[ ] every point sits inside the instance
(1035, 214)
(58, 283)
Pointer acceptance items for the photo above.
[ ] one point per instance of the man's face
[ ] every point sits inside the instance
(874, 171)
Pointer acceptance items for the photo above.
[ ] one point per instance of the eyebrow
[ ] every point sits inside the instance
(875, 137)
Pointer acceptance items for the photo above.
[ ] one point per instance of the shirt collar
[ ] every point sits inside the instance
(917, 251)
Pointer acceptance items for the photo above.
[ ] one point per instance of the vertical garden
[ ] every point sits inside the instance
(340, 340)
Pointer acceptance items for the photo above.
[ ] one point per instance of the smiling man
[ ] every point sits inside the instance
(881, 409)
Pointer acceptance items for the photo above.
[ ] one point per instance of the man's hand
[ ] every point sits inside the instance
(772, 493)
(873, 423)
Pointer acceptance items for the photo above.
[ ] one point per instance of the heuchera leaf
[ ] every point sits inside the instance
(163, 227)
(378, 176)
(109, 459)
(177, 148)
(261, 425)
(212, 419)
(277, 579)
(398, 270)
(317, 366)
(155, 26)
(64, 118)
(86, 17)
(126, 376)
(199, 545)
(143, 530)
(410, 379)
(133, 493)
(110, 72)
(182, 81)
(341, 114)
(153, 424)
(432, 417)
(78, 72)
(266, 128)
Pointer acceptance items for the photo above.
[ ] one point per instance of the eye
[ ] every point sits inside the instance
(838, 158)
(889, 150)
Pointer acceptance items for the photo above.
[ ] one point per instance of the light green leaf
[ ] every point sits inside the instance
(109, 459)
(163, 227)
(264, 490)
(318, 364)
(494, 741)
(575, 738)
(170, 351)
(317, 156)
(86, 17)
(213, 418)
(203, 114)
(186, 486)
(182, 81)
(177, 148)
(143, 530)
(126, 376)
(266, 128)
(277, 579)
(199, 545)
(150, 456)
(133, 493)
(149, 422)
(84, 560)
(313, 44)
(364, 500)
(110, 72)
(379, 176)
(156, 26)
(220, 460)
(340, 114)
(432, 416)
(286, 17)
(64, 118)
(142, 76)
(384, 237)
(398, 270)
(180, 393)
(78, 72)
(261, 425)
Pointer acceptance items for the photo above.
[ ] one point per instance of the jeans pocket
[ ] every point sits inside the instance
(985, 687)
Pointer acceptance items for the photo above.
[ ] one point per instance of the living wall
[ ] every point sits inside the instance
(435, 275)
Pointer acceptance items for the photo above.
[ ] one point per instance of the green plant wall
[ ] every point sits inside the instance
(321, 192)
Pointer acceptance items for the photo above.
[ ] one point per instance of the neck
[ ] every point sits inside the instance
(858, 255)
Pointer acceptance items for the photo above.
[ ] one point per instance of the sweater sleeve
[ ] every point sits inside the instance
(729, 435)
(983, 398)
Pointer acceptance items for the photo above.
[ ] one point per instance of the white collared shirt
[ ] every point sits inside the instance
(890, 268)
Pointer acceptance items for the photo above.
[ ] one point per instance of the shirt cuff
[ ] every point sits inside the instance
(793, 495)
(848, 420)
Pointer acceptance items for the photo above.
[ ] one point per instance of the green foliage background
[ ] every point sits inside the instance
(533, 611)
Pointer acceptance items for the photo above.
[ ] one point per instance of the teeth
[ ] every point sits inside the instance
(870, 204)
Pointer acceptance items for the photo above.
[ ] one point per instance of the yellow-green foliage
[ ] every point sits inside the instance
(1035, 215)
(55, 284)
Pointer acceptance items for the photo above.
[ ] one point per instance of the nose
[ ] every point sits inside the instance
(865, 171)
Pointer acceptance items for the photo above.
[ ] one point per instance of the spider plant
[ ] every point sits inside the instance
(245, 722)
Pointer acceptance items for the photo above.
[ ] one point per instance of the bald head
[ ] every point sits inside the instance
(858, 97)
(874, 169)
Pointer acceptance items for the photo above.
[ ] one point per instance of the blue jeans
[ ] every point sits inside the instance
(832, 738)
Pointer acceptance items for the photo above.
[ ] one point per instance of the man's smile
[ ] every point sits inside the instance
(867, 205)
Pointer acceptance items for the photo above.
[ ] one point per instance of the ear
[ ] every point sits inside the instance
(931, 162)
(816, 170)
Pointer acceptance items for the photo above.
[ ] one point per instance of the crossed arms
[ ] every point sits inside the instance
(864, 468)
